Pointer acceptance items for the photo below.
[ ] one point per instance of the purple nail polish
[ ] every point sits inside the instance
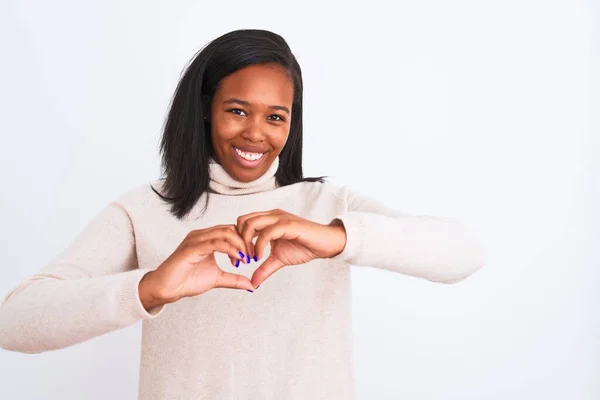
(255, 258)
(258, 286)
(248, 259)
(237, 263)
(251, 291)
(241, 254)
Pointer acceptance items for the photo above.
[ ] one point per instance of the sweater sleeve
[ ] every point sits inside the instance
(439, 249)
(91, 288)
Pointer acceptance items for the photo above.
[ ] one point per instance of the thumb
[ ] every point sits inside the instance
(267, 268)
(233, 281)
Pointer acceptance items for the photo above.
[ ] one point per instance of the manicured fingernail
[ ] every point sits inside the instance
(247, 259)
(258, 286)
(241, 254)
(237, 263)
(251, 291)
(255, 258)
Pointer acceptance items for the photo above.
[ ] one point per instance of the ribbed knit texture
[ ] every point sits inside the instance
(289, 340)
(222, 183)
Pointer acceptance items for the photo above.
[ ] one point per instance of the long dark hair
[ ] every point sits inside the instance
(186, 145)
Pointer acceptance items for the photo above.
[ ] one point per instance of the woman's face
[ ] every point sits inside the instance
(250, 119)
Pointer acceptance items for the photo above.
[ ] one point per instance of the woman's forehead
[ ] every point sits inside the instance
(258, 84)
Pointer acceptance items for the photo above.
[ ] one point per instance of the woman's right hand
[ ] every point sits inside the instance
(192, 268)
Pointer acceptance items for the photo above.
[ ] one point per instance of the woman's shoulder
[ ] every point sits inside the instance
(329, 188)
(143, 197)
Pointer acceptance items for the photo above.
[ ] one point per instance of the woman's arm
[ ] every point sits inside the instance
(88, 290)
(438, 249)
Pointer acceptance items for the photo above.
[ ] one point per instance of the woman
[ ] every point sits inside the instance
(233, 211)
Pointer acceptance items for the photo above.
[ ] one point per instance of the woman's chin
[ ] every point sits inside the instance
(245, 174)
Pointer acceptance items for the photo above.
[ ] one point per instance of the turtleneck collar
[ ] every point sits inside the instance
(221, 182)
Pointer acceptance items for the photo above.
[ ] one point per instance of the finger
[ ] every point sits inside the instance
(235, 261)
(241, 223)
(233, 281)
(211, 232)
(209, 246)
(280, 230)
(268, 268)
(255, 224)
(194, 233)
(229, 234)
(250, 246)
(242, 218)
(234, 236)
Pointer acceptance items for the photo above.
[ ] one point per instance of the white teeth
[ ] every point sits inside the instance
(249, 156)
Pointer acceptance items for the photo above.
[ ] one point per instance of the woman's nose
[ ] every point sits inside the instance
(254, 131)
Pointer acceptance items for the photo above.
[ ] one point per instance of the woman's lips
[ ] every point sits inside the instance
(248, 159)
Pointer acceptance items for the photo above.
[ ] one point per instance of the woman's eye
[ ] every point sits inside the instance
(237, 111)
(276, 117)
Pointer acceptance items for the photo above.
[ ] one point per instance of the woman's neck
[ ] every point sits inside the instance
(221, 182)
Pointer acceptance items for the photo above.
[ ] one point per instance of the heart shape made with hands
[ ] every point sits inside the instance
(192, 268)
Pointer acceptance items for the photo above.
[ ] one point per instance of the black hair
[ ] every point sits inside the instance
(186, 145)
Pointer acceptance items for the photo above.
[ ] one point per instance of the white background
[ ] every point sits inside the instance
(480, 110)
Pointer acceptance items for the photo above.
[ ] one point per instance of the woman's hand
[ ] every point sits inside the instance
(192, 269)
(294, 240)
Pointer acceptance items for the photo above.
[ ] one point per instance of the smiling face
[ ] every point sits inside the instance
(250, 119)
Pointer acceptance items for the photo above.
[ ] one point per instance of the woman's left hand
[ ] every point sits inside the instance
(294, 240)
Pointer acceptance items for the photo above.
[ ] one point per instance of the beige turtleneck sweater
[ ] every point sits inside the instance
(289, 340)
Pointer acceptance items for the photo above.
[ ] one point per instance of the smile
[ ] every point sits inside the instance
(248, 156)
(248, 159)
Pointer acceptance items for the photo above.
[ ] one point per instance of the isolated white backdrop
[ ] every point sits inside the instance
(476, 110)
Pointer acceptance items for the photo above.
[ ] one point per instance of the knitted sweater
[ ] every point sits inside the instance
(290, 339)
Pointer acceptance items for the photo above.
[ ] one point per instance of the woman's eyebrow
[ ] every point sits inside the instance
(245, 103)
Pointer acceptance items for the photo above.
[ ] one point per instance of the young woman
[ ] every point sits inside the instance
(233, 211)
